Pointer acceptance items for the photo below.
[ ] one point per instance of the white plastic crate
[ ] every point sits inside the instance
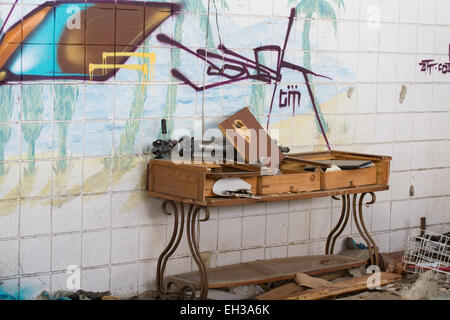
(428, 251)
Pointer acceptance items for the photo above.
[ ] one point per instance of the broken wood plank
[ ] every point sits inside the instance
(281, 292)
(291, 288)
(302, 279)
(343, 287)
(334, 275)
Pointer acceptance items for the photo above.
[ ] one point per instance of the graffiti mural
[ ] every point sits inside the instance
(74, 85)
(84, 85)
(78, 40)
(238, 68)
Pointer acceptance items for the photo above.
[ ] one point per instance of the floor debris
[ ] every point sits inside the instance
(423, 288)
(249, 291)
(284, 290)
(72, 295)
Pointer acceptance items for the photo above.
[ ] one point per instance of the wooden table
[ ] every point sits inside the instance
(176, 206)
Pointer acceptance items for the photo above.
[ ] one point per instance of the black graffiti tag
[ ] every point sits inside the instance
(430, 65)
(233, 67)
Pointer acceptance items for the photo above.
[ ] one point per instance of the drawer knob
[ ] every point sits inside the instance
(312, 177)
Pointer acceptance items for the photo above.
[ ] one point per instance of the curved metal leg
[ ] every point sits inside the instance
(340, 226)
(171, 247)
(359, 222)
(371, 241)
(182, 289)
(194, 248)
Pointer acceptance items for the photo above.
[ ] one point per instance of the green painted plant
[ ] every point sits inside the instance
(324, 10)
(171, 97)
(66, 97)
(172, 89)
(6, 109)
(257, 97)
(32, 110)
(204, 19)
(128, 137)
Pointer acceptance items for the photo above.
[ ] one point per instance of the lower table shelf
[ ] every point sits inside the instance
(187, 216)
(261, 271)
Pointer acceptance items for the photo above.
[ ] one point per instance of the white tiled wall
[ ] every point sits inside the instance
(43, 234)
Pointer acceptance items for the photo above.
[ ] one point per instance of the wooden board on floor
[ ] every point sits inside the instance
(304, 280)
(293, 291)
(343, 287)
(286, 290)
(262, 271)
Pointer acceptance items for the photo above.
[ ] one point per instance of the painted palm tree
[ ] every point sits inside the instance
(324, 10)
(190, 5)
(6, 110)
(66, 97)
(32, 110)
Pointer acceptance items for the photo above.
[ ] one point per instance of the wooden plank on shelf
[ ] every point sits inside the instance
(292, 162)
(218, 202)
(343, 287)
(243, 166)
(328, 155)
(357, 155)
(262, 271)
(171, 163)
(222, 201)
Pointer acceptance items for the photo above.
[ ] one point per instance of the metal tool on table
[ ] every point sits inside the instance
(242, 193)
(162, 148)
(196, 148)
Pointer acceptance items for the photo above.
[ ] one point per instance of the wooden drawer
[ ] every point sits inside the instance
(194, 181)
(348, 178)
(289, 182)
(376, 175)
(173, 180)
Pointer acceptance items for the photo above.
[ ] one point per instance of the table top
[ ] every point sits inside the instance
(230, 201)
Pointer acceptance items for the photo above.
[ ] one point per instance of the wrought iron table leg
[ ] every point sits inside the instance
(340, 226)
(359, 222)
(371, 245)
(177, 234)
(172, 246)
(194, 247)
